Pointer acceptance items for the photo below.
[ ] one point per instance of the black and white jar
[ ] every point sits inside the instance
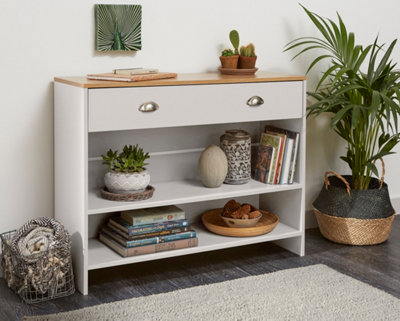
(236, 144)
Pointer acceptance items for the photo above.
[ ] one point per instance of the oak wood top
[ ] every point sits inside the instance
(182, 79)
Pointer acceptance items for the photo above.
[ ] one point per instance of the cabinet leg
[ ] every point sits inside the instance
(293, 244)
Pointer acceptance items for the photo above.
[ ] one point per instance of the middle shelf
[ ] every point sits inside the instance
(183, 192)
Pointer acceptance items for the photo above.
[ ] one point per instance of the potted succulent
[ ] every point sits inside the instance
(364, 108)
(247, 58)
(229, 58)
(127, 173)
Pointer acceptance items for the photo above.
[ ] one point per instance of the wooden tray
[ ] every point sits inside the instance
(229, 71)
(141, 196)
(214, 223)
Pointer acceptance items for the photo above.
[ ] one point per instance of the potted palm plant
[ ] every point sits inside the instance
(364, 108)
(127, 173)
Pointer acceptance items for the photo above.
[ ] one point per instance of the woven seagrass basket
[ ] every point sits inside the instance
(354, 217)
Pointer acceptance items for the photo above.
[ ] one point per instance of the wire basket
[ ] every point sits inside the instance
(38, 277)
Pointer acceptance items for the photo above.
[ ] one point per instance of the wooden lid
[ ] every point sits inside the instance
(182, 79)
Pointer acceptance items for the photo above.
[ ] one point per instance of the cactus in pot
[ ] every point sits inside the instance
(247, 58)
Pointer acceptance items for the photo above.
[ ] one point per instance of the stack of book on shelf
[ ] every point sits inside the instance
(149, 230)
(276, 157)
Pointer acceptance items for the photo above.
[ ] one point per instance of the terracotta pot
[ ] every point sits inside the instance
(247, 62)
(229, 62)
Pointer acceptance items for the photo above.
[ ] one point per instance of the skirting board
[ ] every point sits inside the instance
(311, 222)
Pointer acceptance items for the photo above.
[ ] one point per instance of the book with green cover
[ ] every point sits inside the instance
(275, 142)
(120, 223)
(150, 240)
(153, 215)
(146, 235)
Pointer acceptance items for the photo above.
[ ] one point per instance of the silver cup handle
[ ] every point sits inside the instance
(255, 101)
(148, 107)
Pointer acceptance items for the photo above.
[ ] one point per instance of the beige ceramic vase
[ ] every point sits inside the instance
(213, 166)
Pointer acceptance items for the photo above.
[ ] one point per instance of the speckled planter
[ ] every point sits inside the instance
(125, 183)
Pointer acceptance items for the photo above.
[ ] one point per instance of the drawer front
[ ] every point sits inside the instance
(118, 108)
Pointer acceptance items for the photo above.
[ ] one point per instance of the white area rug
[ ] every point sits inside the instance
(315, 292)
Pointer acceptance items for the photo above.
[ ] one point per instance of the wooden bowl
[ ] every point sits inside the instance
(237, 222)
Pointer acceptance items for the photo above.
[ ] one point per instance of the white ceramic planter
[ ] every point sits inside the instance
(125, 183)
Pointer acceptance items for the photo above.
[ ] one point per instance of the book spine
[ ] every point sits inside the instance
(148, 249)
(151, 228)
(293, 158)
(286, 161)
(147, 235)
(280, 160)
(178, 236)
(152, 219)
(161, 247)
(115, 236)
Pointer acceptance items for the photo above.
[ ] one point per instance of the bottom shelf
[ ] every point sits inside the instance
(100, 256)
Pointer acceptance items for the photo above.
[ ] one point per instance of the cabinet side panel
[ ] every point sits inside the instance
(70, 162)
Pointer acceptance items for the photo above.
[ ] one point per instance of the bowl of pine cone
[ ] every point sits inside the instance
(240, 215)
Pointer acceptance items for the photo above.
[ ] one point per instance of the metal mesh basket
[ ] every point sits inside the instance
(38, 277)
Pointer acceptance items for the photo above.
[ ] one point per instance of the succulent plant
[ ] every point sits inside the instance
(248, 51)
(234, 38)
(227, 53)
(131, 159)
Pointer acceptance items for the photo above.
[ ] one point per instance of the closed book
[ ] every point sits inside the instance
(274, 141)
(149, 228)
(147, 249)
(263, 162)
(135, 71)
(131, 78)
(151, 240)
(146, 235)
(284, 179)
(153, 215)
(280, 155)
(294, 158)
(296, 137)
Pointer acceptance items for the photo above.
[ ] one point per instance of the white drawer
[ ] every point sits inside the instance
(117, 108)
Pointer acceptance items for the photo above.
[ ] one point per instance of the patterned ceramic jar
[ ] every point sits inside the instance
(126, 183)
(236, 144)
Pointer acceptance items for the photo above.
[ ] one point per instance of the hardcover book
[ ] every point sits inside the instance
(131, 78)
(262, 166)
(275, 142)
(151, 240)
(153, 215)
(280, 155)
(147, 249)
(296, 138)
(120, 223)
(146, 235)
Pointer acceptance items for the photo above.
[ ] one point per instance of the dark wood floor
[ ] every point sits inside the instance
(377, 265)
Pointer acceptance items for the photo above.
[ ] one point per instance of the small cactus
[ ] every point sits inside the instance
(248, 51)
(234, 37)
(227, 53)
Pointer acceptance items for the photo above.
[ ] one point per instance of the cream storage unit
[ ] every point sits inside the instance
(191, 112)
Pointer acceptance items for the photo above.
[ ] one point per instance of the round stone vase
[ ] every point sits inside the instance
(236, 144)
(213, 166)
(126, 183)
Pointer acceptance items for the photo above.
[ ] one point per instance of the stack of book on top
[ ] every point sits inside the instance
(149, 230)
(276, 157)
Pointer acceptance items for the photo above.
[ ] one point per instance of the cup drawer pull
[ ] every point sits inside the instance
(255, 101)
(148, 107)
